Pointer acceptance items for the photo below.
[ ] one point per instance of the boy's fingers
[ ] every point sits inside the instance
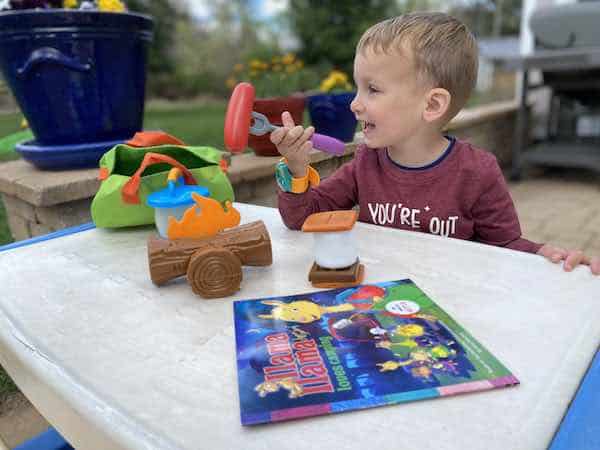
(557, 254)
(286, 119)
(292, 136)
(595, 265)
(307, 134)
(277, 135)
(574, 258)
(306, 148)
(299, 146)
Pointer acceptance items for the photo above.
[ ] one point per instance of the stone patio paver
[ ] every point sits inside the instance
(561, 207)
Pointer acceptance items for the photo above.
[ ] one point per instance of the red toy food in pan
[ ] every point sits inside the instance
(241, 120)
(238, 117)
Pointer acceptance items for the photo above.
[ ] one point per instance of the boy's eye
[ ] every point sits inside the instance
(372, 89)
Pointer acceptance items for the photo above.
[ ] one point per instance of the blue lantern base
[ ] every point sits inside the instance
(62, 157)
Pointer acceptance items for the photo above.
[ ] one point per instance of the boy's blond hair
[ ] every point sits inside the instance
(443, 48)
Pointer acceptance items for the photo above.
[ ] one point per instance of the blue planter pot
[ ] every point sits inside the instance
(330, 115)
(78, 76)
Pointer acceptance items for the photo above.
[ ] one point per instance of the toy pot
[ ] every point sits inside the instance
(273, 108)
(335, 249)
(330, 114)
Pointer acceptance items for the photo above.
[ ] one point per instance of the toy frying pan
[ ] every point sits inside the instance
(241, 120)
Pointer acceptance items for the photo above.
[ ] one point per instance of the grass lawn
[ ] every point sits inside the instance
(194, 124)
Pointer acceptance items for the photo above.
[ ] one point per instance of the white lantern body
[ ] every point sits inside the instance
(336, 249)
(161, 217)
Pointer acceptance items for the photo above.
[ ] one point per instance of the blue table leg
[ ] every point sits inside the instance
(580, 428)
(48, 440)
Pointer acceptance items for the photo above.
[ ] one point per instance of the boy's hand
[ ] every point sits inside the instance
(572, 258)
(293, 143)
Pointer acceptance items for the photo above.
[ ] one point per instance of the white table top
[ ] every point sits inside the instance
(114, 362)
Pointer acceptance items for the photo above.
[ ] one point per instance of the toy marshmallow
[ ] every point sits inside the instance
(335, 250)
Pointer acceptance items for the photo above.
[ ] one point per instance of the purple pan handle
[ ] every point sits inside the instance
(328, 144)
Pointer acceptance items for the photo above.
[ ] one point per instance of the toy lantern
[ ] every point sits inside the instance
(335, 250)
(173, 200)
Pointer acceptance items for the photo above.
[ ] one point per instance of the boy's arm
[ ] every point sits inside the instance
(338, 191)
(495, 216)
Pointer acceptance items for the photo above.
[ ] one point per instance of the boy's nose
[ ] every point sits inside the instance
(355, 105)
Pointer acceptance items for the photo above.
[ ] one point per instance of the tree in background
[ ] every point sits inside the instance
(206, 52)
(328, 30)
(161, 60)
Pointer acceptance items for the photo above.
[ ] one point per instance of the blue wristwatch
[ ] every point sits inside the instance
(288, 183)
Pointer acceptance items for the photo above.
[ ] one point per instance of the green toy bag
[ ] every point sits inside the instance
(129, 174)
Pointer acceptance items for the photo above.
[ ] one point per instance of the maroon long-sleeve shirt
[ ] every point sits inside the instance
(461, 195)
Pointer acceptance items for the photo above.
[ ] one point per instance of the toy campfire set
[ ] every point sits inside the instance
(207, 244)
(201, 238)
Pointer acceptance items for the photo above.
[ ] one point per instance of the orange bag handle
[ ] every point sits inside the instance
(129, 193)
(152, 139)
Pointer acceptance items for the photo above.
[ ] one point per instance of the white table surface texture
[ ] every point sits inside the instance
(114, 362)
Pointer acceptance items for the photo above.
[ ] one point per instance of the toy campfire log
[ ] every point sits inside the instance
(213, 265)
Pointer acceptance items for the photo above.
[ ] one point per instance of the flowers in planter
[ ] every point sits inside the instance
(330, 109)
(336, 81)
(101, 5)
(280, 76)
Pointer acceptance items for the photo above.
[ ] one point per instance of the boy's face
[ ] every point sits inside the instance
(390, 100)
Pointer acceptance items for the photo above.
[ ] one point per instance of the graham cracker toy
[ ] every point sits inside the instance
(336, 254)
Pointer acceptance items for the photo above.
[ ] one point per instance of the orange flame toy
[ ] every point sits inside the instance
(204, 219)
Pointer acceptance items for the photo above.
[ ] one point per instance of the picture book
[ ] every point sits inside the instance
(343, 349)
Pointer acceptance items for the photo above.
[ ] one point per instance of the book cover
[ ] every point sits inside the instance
(344, 349)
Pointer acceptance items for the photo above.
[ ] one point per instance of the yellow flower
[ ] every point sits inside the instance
(256, 64)
(111, 5)
(24, 123)
(273, 77)
(338, 76)
(335, 79)
(327, 84)
(238, 67)
(230, 82)
(68, 4)
(288, 59)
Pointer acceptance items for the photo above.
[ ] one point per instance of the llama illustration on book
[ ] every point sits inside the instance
(345, 349)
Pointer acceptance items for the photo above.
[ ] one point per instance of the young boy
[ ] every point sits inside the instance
(413, 74)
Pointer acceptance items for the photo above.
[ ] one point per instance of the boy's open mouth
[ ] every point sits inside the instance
(368, 127)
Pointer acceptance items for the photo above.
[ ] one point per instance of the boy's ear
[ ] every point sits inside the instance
(437, 104)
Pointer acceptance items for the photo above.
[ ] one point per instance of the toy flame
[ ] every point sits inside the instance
(204, 219)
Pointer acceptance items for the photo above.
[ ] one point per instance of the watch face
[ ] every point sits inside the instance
(283, 177)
